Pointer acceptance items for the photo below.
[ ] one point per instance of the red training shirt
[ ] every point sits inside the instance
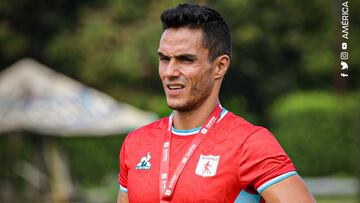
(234, 163)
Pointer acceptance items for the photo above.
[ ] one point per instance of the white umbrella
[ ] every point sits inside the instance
(36, 98)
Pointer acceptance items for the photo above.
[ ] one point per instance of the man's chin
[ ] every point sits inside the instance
(180, 107)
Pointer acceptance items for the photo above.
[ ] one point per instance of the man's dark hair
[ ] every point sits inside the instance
(216, 32)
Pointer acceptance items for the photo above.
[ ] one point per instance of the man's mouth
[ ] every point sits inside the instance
(174, 90)
(175, 87)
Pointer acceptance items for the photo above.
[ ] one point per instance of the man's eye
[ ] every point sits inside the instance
(164, 58)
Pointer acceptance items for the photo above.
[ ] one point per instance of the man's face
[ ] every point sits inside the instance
(184, 68)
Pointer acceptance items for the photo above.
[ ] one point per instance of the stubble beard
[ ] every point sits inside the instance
(197, 97)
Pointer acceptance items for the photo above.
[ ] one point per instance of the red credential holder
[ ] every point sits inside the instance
(167, 187)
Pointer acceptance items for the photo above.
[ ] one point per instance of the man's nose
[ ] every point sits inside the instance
(172, 69)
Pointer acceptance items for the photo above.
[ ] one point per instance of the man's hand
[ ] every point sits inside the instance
(291, 189)
(122, 197)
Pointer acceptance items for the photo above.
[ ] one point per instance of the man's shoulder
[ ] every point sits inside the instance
(236, 124)
(152, 128)
(240, 130)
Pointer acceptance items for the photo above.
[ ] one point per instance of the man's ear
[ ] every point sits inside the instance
(221, 66)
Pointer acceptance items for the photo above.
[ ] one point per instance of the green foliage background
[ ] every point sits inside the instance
(317, 131)
(284, 73)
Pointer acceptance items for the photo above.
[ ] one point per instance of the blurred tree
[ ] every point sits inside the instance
(26, 27)
(282, 46)
(317, 131)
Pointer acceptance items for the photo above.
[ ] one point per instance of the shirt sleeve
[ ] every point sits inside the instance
(123, 175)
(263, 162)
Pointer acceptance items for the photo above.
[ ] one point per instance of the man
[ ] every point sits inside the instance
(202, 152)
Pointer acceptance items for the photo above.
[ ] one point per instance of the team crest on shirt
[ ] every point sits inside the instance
(144, 163)
(207, 165)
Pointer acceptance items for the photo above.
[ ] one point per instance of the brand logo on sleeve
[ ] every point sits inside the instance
(144, 163)
(207, 165)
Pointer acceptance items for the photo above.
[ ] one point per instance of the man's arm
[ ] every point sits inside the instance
(291, 189)
(122, 197)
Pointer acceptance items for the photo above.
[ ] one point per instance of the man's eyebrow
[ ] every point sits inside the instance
(186, 56)
(180, 56)
(160, 54)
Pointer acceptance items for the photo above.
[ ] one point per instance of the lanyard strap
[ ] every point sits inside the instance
(166, 190)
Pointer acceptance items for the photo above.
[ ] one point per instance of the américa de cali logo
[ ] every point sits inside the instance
(144, 163)
(207, 165)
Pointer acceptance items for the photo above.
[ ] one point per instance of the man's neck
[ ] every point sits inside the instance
(185, 120)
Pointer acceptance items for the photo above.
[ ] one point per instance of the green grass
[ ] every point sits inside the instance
(338, 199)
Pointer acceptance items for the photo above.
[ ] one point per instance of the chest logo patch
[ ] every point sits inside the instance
(207, 165)
(144, 163)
